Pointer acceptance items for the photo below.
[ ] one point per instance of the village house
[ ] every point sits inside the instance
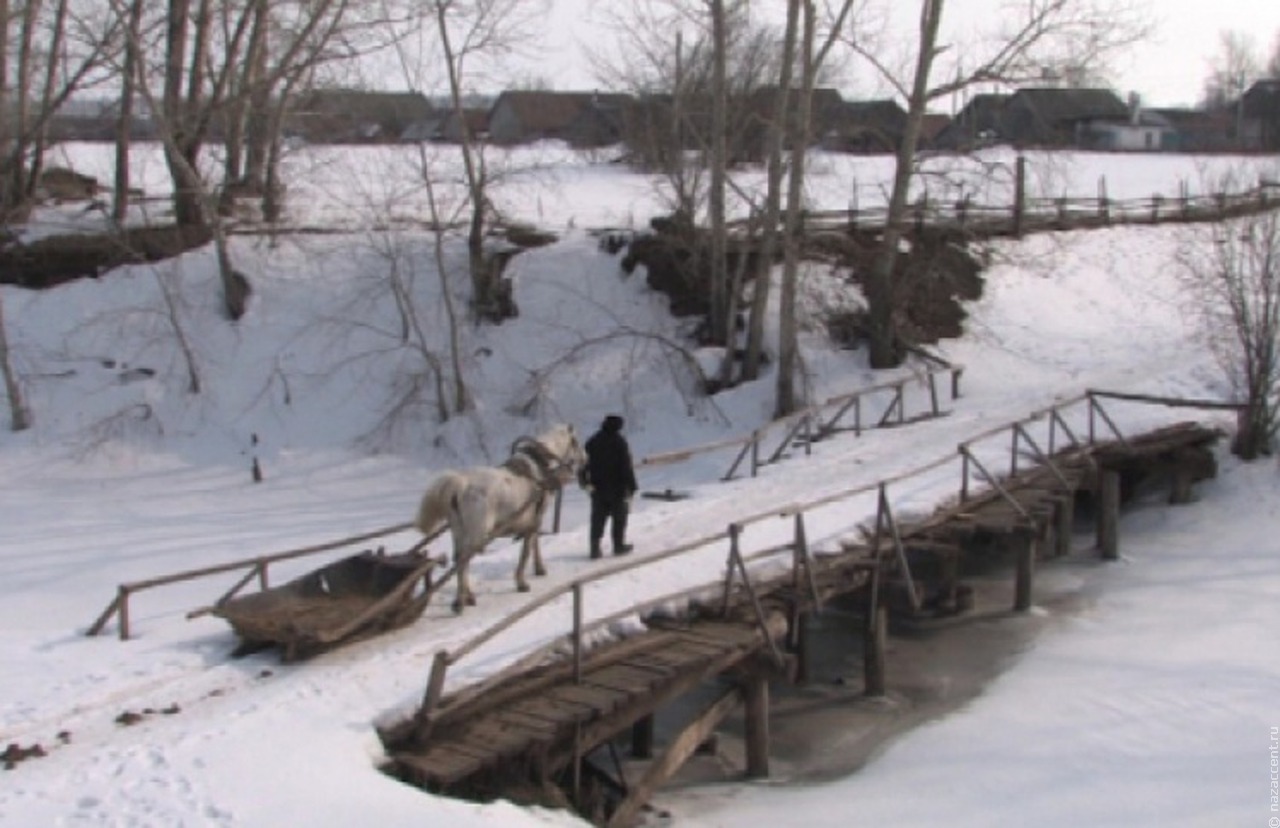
(450, 128)
(353, 116)
(581, 119)
(1144, 131)
(866, 127)
(976, 125)
(1260, 115)
(1047, 118)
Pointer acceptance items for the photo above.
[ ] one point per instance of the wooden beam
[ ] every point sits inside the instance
(1065, 521)
(873, 655)
(674, 758)
(1108, 514)
(756, 692)
(1026, 567)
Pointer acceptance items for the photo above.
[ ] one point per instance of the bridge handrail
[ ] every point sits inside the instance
(809, 411)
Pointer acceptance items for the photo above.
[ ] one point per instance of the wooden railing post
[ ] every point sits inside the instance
(435, 684)
(577, 633)
(123, 598)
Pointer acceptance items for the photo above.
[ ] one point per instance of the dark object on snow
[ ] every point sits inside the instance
(353, 598)
(666, 494)
(54, 260)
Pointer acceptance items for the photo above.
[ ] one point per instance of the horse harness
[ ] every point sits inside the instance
(531, 459)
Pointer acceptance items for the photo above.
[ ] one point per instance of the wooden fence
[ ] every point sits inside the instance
(1030, 215)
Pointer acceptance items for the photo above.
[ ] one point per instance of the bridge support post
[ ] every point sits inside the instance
(873, 650)
(1108, 514)
(642, 738)
(1064, 521)
(756, 692)
(800, 646)
(1027, 546)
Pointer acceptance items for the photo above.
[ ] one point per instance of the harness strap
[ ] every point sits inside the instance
(541, 459)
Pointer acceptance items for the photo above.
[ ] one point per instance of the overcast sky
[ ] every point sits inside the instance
(1169, 69)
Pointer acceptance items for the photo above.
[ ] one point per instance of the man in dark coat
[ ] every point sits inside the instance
(611, 481)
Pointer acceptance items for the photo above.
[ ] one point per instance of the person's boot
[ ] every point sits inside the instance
(595, 550)
(622, 548)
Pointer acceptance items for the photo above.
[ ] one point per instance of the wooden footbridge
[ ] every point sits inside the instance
(544, 728)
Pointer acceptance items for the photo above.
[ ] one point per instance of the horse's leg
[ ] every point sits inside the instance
(521, 584)
(461, 559)
(538, 568)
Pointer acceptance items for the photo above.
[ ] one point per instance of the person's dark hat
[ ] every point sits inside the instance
(612, 423)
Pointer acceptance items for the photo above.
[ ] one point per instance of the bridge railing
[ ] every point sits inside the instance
(844, 412)
(1077, 423)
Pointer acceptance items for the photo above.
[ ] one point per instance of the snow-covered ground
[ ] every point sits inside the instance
(1155, 702)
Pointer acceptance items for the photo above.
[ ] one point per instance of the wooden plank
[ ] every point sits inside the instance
(630, 681)
(650, 664)
(499, 739)
(537, 728)
(555, 710)
(442, 765)
(681, 655)
(602, 700)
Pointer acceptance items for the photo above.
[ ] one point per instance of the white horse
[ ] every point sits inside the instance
(481, 504)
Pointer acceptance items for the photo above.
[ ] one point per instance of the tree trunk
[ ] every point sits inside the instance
(773, 200)
(886, 348)
(19, 417)
(124, 127)
(718, 162)
(798, 138)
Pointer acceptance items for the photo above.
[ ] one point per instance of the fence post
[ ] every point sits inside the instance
(124, 612)
(1104, 204)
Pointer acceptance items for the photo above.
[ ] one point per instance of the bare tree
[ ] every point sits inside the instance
(1231, 271)
(1032, 37)
(798, 126)
(43, 60)
(1233, 68)
(19, 414)
(468, 32)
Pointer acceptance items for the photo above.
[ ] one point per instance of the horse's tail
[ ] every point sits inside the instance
(436, 503)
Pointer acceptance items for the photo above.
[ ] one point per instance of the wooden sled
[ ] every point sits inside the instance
(356, 597)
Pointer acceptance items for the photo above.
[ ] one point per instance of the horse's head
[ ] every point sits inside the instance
(562, 442)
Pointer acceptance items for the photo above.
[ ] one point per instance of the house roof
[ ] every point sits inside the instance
(1057, 106)
(546, 111)
(982, 111)
(1262, 100)
(359, 104)
(933, 123)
